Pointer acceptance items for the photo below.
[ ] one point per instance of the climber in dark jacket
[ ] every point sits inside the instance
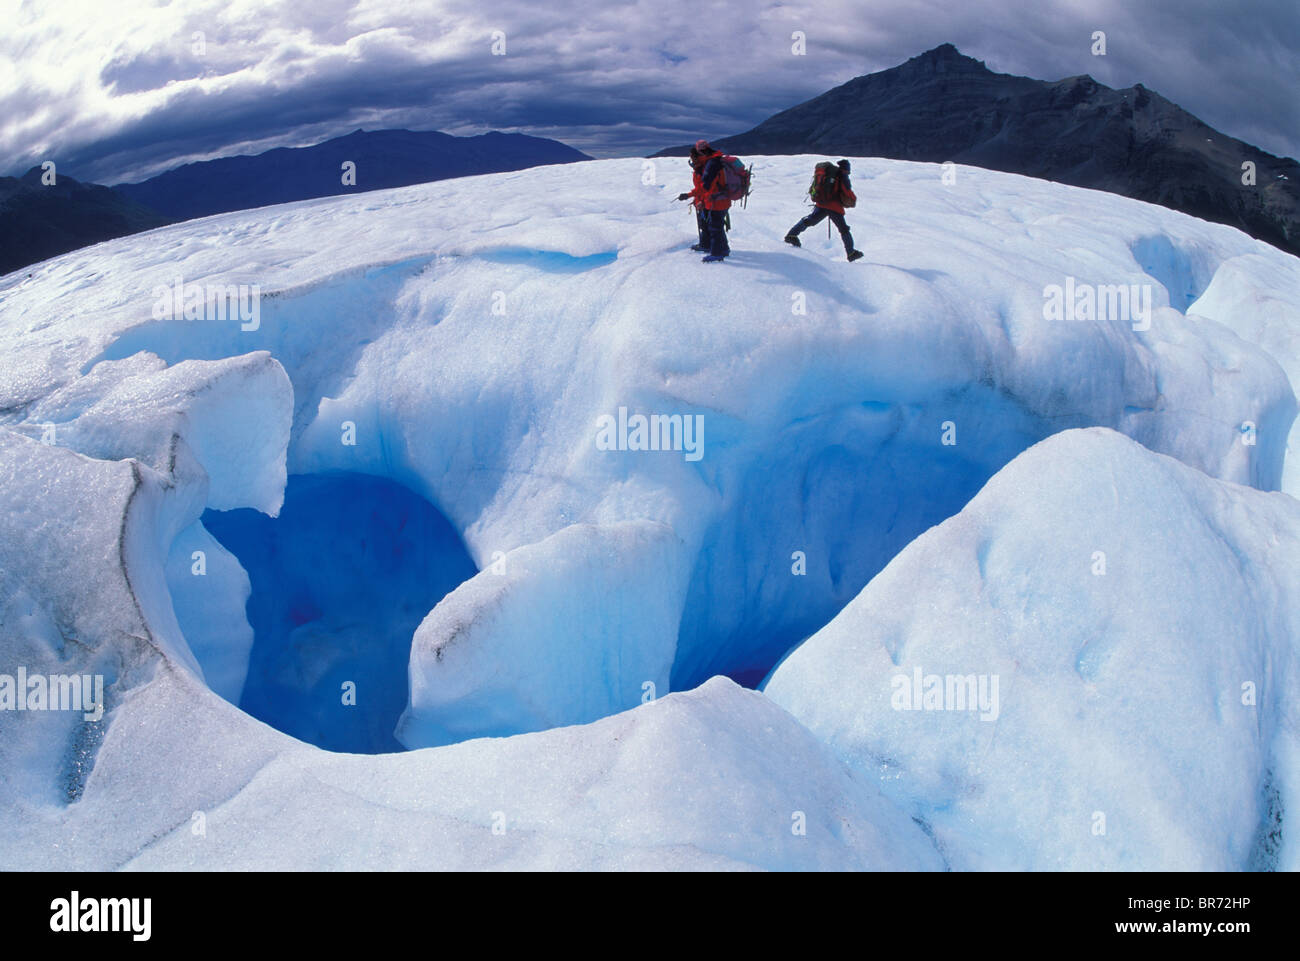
(833, 207)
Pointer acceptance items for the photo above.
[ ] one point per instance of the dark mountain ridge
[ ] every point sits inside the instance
(383, 158)
(39, 221)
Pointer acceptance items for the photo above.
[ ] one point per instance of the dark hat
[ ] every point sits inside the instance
(843, 165)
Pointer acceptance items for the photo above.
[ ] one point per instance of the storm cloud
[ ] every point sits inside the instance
(119, 91)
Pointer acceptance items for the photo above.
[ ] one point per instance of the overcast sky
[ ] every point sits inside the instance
(116, 90)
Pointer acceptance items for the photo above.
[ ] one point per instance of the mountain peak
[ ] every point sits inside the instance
(943, 51)
(943, 59)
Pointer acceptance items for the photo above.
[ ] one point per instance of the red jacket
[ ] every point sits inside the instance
(697, 194)
(844, 193)
(713, 194)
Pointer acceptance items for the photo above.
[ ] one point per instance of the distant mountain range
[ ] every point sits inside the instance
(383, 158)
(944, 106)
(38, 222)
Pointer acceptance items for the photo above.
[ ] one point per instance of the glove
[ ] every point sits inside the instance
(683, 196)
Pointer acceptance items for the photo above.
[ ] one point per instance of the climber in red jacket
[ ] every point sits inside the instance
(711, 194)
(831, 192)
(701, 218)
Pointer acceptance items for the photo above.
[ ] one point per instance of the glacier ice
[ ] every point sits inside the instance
(1254, 296)
(525, 596)
(1137, 623)
(715, 778)
(469, 361)
(339, 582)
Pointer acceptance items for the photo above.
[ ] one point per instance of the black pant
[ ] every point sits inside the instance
(718, 246)
(702, 224)
(816, 217)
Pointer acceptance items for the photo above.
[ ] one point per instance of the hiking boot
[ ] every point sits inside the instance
(792, 240)
(855, 255)
(699, 247)
(713, 260)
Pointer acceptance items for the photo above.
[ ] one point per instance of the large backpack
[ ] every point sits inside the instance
(737, 174)
(825, 186)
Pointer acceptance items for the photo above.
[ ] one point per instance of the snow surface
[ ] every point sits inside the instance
(1121, 689)
(469, 334)
(715, 778)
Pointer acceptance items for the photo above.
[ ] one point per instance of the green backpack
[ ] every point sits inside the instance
(825, 186)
